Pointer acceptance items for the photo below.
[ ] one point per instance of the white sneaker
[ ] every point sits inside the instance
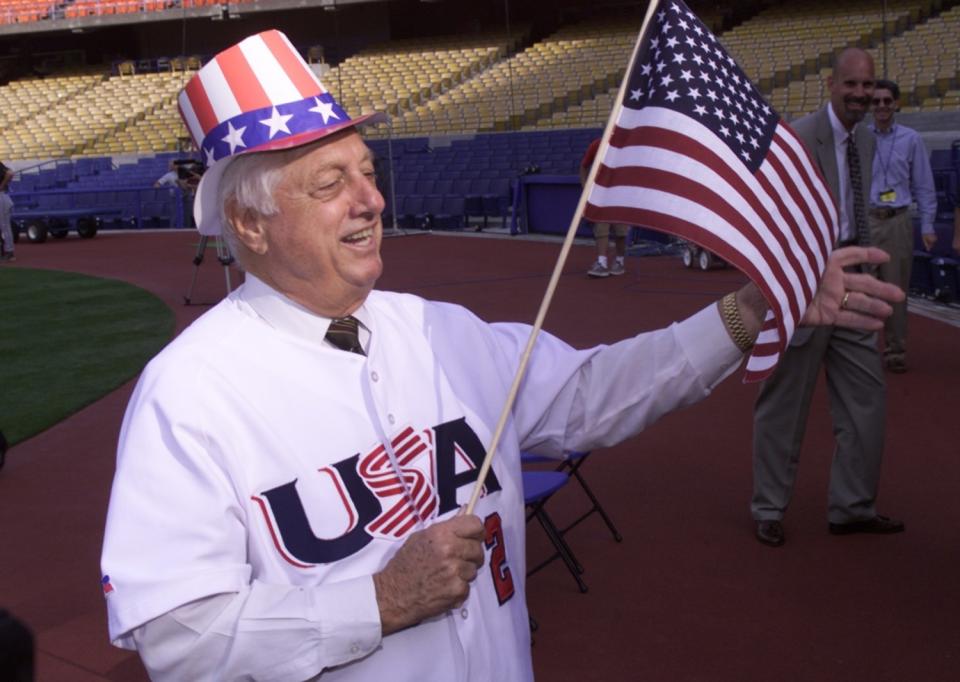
(617, 268)
(598, 270)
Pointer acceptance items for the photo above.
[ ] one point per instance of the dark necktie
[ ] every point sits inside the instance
(343, 333)
(856, 185)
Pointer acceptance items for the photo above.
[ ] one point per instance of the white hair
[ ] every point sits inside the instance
(247, 184)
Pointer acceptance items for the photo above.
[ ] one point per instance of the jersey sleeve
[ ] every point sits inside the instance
(175, 528)
(582, 399)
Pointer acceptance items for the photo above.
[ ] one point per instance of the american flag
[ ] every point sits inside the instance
(696, 151)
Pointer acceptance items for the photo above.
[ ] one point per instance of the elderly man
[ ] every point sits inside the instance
(291, 468)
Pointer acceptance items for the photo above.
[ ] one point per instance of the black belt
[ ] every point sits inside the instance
(846, 242)
(884, 212)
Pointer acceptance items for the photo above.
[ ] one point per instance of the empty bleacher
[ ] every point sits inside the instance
(558, 90)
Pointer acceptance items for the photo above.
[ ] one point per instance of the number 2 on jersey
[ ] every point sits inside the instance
(499, 569)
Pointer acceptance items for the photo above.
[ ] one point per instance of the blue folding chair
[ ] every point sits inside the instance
(538, 487)
(571, 464)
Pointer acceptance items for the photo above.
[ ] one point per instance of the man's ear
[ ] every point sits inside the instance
(249, 227)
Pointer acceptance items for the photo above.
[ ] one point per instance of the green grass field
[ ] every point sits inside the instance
(68, 339)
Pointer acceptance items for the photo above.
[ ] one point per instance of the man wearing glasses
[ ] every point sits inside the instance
(901, 175)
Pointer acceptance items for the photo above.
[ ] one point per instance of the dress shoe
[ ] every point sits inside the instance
(770, 533)
(883, 525)
(896, 364)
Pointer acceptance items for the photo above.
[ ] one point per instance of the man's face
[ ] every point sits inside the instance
(884, 107)
(851, 87)
(323, 246)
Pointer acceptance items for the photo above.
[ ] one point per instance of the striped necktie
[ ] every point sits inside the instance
(344, 334)
(856, 184)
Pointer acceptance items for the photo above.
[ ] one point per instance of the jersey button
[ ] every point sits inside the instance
(464, 613)
(391, 419)
(374, 376)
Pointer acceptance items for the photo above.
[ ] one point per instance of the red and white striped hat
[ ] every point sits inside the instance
(258, 95)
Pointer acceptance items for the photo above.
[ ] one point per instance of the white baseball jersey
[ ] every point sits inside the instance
(256, 459)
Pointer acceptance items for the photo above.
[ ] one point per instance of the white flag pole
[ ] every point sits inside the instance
(557, 270)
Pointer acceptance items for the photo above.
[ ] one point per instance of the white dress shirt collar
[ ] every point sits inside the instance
(285, 314)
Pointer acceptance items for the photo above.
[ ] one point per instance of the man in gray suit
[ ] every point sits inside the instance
(850, 358)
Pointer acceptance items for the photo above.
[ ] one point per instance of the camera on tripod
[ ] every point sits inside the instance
(189, 172)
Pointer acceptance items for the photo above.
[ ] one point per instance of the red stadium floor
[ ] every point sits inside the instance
(688, 595)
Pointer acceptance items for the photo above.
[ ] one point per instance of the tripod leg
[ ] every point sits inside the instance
(197, 260)
(226, 259)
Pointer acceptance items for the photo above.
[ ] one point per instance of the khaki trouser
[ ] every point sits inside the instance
(6, 231)
(895, 236)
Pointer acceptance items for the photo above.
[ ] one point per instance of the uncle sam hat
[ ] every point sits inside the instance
(257, 96)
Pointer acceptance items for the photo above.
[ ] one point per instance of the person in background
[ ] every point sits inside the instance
(839, 144)
(170, 178)
(6, 209)
(601, 231)
(901, 176)
(956, 229)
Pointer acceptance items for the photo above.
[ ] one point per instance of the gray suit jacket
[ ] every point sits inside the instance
(817, 134)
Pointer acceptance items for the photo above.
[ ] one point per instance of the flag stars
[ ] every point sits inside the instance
(711, 95)
(636, 94)
(672, 42)
(666, 80)
(724, 130)
(646, 69)
(234, 137)
(679, 58)
(277, 123)
(694, 93)
(325, 109)
(746, 155)
(700, 110)
(672, 95)
(661, 66)
(686, 76)
(718, 112)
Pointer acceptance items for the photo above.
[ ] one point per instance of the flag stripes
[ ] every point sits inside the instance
(695, 151)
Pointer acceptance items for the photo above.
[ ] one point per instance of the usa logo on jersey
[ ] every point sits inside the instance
(369, 498)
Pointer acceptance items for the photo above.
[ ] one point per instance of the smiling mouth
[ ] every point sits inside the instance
(359, 237)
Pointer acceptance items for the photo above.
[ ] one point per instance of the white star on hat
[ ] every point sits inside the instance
(277, 123)
(234, 137)
(325, 109)
(209, 154)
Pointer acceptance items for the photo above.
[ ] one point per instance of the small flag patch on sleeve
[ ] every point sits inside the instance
(106, 584)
